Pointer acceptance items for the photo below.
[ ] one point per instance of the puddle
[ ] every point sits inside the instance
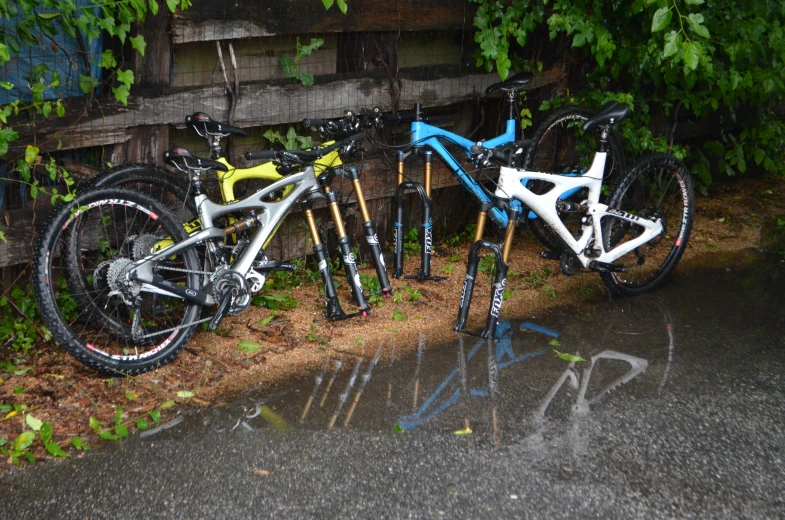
(615, 356)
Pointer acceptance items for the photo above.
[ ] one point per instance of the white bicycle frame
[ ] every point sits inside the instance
(511, 186)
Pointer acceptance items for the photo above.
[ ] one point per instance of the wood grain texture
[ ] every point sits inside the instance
(208, 20)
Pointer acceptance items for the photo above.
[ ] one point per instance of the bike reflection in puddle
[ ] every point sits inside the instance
(409, 394)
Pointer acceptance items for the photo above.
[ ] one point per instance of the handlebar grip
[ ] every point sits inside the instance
(397, 119)
(264, 154)
(313, 122)
(437, 119)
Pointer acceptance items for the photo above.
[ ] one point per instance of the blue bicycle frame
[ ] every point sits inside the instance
(424, 134)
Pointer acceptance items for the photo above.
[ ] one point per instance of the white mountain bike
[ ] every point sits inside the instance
(634, 240)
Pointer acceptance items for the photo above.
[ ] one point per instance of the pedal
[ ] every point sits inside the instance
(550, 255)
(603, 267)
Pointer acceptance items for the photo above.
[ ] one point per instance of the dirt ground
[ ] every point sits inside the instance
(211, 368)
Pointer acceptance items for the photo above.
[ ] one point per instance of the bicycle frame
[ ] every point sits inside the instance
(511, 185)
(424, 134)
(270, 217)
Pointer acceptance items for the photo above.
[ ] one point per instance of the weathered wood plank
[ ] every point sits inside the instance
(259, 104)
(208, 20)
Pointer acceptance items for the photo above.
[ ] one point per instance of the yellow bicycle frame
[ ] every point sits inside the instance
(266, 172)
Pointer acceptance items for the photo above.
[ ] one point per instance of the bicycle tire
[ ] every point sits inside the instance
(646, 182)
(159, 184)
(51, 289)
(554, 150)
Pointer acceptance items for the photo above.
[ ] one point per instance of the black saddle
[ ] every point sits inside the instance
(200, 121)
(182, 159)
(612, 112)
(514, 83)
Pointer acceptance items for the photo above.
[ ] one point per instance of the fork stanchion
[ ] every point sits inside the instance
(344, 244)
(370, 233)
(333, 311)
(501, 255)
(426, 237)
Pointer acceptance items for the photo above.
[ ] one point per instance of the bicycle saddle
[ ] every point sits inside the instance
(182, 159)
(200, 120)
(611, 112)
(514, 83)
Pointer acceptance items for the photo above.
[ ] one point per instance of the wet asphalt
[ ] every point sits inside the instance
(678, 410)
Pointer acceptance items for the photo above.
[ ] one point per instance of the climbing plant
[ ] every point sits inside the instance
(41, 92)
(665, 56)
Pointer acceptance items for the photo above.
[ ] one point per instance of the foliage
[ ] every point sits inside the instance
(19, 323)
(291, 66)
(341, 5)
(662, 57)
(35, 24)
(290, 141)
(411, 242)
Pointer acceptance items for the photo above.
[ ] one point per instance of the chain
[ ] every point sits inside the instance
(159, 267)
(158, 333)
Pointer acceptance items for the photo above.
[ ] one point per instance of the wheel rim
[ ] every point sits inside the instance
(95, 245)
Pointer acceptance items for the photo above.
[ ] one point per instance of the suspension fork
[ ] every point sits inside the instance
(426, 237)
(501, 254)
(344, 245)
(333, 306)
(370, 233)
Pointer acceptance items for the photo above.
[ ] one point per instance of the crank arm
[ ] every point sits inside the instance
(194, 295)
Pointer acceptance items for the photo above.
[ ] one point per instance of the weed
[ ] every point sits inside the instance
(411, 243)
(275, 302)
(312, 335)
(398, 315)
(372, 286)
(447, 269)
(413, 294)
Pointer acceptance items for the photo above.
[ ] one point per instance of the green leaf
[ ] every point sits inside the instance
(55, 450)
(121, 431)
(759, 156)
(342, 6)
(693, 2)
(108, 435)
(138, 43)
(554, 343)
(6, 85)
(126, 77)
(328, 3)
(24, 441)
(3, 442)
(289, 69)
(568, 357)
(248, 346)
(306, 79)
(121, 94)
(691, 55)
(185, 394)
(33, 423)
(94, 424)
(60, 109)
(46, 109)
(662, 17)
(79, 444)
(108, 60)
(398, 315)
(696, 22)
(87, 83)
(31, 154)
(5, 54)
(45, 432)
(118, 415)
(142, 424)
(172, 5)
(166, 404)
(673, 42)
(503, 65)
(153, 7)
(155, 415)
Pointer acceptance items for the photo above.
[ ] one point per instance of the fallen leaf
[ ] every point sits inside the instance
(261, 473)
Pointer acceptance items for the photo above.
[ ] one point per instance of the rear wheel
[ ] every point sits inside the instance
(658, 186)
(102, 318)
(560, 146)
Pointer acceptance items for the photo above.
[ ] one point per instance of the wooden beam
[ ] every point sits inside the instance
(259, 104)
(208, 20)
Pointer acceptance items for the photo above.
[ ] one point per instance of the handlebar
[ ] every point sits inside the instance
(503, 153)
(304, 155)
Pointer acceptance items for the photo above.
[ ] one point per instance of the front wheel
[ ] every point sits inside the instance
(658, 186)
(103, 318)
